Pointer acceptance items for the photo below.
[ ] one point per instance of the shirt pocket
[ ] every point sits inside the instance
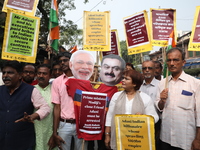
(186, 101)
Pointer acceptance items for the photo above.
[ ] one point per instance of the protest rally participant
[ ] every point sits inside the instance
(56, 71)
(129, 66)
(64, 128)
(178, 99)
(29, 74)
(44, 128)
(17, 103)
(150, 83)
(129, 101)
(112, 67)
(150, 87)
(158, 70)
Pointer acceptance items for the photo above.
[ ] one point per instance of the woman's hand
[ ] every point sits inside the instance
(107, 141)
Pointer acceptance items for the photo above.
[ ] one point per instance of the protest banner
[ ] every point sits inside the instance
(135, 132)
(90, 111)
(20, 37)
(96, 31)
(137, 33)
(115, 46)
(194, 43)
(162, 22)
(27, 7)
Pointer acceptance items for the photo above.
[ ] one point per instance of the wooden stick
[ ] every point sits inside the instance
(83, 144)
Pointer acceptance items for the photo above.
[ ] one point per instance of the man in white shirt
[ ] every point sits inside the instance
(178, 99)
(150, 83)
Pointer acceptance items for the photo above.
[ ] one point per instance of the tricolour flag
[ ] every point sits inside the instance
(53, 25)
(171, 44)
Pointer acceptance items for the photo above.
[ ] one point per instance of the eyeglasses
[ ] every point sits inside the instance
(174, 60)
(63, 60)
(145, 68)
(30, 72)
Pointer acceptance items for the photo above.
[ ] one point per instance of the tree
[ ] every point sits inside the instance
(43, 12)
(134, 59)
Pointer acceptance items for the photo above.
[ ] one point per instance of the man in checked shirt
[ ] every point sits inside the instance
(178, 99)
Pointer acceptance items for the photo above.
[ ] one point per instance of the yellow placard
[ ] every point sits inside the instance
(135, 132)
(27, 7)
(96, 31)
(137, 33)
(20, 37)
(194, 44)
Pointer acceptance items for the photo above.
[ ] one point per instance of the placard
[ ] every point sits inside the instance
(92, 112)
(137, 33)
(135, 132)
(27, 7)
(115, 46)
(163, 22)
(20, 37)
(96, 31)
(194, 44)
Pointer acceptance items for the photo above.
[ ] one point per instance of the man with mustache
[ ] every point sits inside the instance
(81, 63)
(150, 87)
(44, 128)
(112, 67)
(150, 83)
(17, 103)
(178, 99)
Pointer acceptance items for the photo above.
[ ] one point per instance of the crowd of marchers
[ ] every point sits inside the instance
(37, 113)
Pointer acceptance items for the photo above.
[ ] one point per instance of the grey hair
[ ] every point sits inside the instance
(81, 52)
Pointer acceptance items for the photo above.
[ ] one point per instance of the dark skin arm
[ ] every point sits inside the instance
(196, 142)
(56, 119)
(28, 118)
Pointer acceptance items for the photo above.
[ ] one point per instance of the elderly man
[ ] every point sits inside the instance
(64, 127)
(112, 67)
(178, 99)
(150, 84)
(18, 100)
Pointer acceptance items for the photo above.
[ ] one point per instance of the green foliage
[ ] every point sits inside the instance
(134, 59)
(193, 72)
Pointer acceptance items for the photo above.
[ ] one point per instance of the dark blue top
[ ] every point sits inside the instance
(21, 135)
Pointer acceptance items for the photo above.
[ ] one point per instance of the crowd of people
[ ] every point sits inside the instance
(37, 113)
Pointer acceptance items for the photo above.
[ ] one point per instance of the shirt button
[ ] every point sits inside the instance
(8, 111)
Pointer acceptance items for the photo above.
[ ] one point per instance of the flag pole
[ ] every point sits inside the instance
(49, 42)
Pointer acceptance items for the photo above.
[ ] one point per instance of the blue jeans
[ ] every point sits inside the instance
(66, 131)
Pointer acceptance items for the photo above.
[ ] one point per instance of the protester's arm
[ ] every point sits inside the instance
(107, 137)
(55, 95)
(196, 142)
(40, 104)
(149, 107)
(163, 98)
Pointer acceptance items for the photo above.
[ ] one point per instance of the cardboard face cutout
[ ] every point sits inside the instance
(112, 67)
(82, 65)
